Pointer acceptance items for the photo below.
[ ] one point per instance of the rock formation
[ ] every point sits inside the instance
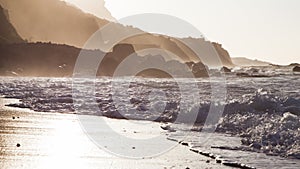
(45, 24)
(8, 34)
(296, 69)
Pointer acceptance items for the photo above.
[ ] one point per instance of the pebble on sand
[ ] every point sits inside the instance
(18, 145)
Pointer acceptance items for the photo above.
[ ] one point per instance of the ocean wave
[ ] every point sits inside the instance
(265, 112)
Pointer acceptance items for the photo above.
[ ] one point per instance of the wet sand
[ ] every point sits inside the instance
(51, 140)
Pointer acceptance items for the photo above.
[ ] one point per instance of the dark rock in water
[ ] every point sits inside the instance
(256, 146)
(198, 69)
(296, 69)
(293, 109)
(225, 70)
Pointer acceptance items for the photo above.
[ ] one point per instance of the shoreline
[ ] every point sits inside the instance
(216, 152)
(55, 140)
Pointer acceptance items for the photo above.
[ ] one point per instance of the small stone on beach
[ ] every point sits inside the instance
(18, 145)
(185, 144)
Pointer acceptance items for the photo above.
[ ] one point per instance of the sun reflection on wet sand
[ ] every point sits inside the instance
(69, 146)
(46, 141)
(52, 140)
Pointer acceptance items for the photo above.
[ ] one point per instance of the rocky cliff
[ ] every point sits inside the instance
(48, 23)
(51, 21)
(8, 34)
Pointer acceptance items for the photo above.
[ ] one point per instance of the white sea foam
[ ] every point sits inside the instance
(265, 111)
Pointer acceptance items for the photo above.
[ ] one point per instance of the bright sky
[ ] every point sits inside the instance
(267, 30)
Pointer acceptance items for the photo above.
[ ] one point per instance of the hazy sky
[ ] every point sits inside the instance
(267, 30)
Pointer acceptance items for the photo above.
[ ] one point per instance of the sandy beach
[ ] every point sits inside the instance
(52, 140)
(149, 84)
